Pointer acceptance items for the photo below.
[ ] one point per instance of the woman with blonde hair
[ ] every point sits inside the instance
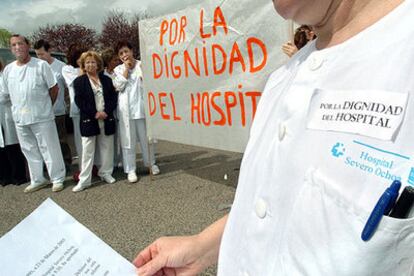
(70, 72)
(96, 98)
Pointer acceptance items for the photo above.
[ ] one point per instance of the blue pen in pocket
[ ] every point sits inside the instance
(383, 207)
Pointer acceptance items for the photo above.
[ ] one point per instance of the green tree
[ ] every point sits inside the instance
(4, 38)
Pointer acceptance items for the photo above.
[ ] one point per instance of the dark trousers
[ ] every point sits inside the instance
(13, 168)
(61, 128)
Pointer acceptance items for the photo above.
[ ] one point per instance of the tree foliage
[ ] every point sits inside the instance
(61, 36)
(4, 38)
(117, 27)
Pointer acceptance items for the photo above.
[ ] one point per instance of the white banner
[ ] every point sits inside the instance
(204, 69)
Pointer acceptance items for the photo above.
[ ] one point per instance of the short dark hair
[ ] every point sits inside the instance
(1, 66)
(22, 36)
(107, 55)
(42, 44)
(121, 44)
(73, 54)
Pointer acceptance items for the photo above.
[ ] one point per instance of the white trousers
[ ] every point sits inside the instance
(77, 138)
(138, 130)
(40, 143)
(105, 145)
(117, 147)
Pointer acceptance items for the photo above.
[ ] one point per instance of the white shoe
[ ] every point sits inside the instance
(35, 187)
(132, 177)
(79, 187)
(155, 170)
(108, 179)
(57, 187)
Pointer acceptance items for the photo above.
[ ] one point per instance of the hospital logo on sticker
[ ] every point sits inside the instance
(338, 150)
(370, 160)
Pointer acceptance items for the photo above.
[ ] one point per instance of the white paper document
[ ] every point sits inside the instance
(50, 242)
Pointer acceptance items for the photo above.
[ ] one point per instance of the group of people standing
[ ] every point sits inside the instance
(106, 107)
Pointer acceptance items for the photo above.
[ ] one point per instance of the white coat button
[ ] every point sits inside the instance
(261, 208)
(315, 62)
(282, 131)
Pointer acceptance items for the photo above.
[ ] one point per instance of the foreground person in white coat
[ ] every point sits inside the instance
(32, 88)
(128, 82)
(309, 182)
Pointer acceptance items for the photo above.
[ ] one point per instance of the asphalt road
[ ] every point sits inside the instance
(195, 187)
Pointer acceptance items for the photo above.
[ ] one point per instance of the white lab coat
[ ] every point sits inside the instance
(117, 142)
(69, 74)
(130, 100)
(305, 194)
(6, 120)
(59, 107)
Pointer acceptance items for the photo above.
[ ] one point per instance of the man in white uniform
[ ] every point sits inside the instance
(332, 131)
(31, 86)
(43, 51)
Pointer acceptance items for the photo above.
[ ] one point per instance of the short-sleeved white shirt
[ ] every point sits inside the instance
(28, 86)
(304, 193)
(59, 107)
(70, 73)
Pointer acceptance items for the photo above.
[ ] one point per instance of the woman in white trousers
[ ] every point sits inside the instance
(96, 98)
(128, 82)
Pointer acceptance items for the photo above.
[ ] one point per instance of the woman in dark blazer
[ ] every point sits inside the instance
(96, 98)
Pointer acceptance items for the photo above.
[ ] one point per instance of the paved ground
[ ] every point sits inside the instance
(190, 193)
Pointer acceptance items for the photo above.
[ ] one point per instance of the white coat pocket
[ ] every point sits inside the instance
(324, 236)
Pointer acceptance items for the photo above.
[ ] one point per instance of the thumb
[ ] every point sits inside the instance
(152, 267)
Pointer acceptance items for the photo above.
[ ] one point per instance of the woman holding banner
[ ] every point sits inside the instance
(128, 82)
(333, 129)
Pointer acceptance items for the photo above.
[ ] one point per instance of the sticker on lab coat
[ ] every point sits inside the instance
(372, 113)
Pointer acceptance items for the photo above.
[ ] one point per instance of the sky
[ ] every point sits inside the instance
(26, 16)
